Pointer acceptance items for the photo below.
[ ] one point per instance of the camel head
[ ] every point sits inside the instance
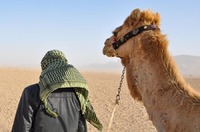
(135, 40)
(121, 44)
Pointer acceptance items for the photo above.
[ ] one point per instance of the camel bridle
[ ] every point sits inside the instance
(131, 34)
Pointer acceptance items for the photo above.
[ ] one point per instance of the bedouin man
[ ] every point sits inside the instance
(58, 103)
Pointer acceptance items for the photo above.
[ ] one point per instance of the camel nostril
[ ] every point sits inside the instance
(104, 51)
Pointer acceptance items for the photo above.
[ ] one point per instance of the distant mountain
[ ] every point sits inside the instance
(110, 66)
(188, 65)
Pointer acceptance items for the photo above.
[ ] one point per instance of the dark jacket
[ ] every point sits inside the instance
(31, 116)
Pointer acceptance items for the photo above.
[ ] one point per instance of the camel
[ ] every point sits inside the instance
(152, 75)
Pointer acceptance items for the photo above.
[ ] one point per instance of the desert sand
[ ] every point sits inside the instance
(130, 115)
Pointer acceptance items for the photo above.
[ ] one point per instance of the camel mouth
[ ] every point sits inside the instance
(108, 48)
(104, 52)
(108, 52)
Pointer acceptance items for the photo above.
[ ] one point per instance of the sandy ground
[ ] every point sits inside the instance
(130, 116)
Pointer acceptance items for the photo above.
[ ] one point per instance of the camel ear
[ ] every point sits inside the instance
(157, 19)
(135, 15)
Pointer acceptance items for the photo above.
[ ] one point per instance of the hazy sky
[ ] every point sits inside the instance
(29, 28)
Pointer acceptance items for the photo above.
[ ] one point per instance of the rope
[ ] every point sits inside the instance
(117, 101)
(111, 119)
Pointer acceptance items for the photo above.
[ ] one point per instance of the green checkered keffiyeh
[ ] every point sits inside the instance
(57, 73)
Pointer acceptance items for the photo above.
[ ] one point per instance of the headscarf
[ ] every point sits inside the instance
(57, 73)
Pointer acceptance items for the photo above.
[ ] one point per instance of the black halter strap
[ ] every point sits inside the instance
(131, 34)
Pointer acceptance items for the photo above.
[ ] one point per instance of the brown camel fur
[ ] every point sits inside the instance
(153, 77)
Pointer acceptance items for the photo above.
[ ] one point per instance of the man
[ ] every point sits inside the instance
(58, 103)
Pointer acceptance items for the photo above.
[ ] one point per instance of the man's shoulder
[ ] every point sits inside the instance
(31, 92)
(33, 88)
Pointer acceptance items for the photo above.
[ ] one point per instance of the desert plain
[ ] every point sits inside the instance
(130, 115)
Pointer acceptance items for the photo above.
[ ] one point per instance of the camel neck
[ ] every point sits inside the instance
(163, 91)
(155, 77)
